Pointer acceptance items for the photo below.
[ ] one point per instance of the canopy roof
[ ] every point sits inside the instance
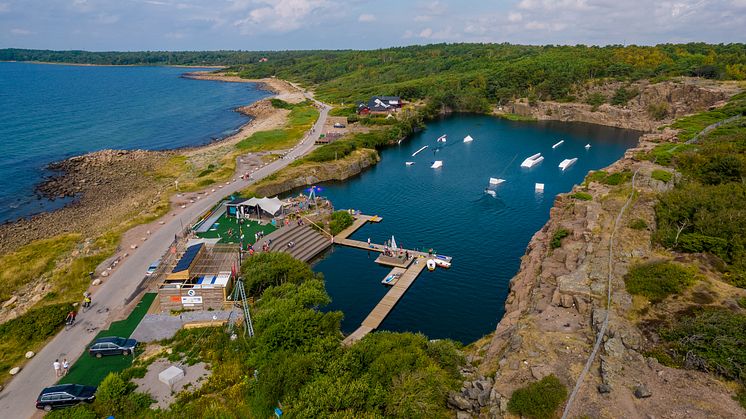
(270, 205)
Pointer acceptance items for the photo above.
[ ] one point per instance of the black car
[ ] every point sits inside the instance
(65, 395)
(112, 346)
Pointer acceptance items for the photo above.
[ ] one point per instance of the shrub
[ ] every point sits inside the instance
(538, 400)
(560, 234)
(595, 100)
(280, 104)
(638, 224)
(340, 221)
(658, 280)
(583, 196)
(741, 302)
(622, 96)
(596, 176)
(617, 178)
(76, 412)
(662, 175)
(36, 325)
(658, 111)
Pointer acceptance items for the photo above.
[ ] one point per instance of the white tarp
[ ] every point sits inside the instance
(270, 205)
(171, 375)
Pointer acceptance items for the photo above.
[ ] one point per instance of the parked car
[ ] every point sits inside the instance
(65, 395)
(112, 346)
(339, 125)
(153, 267)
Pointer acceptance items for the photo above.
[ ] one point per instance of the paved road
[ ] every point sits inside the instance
(18, 399)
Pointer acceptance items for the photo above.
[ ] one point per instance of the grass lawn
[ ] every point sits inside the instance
(89, 370)
(224, 224)
(301, 118)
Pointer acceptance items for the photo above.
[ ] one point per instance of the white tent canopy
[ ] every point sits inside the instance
(268, 205)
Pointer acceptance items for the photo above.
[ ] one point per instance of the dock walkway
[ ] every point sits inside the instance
(411, 270)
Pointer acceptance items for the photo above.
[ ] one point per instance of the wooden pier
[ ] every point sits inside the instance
(409, 269)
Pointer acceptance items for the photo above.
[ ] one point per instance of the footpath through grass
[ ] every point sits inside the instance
(91, 371)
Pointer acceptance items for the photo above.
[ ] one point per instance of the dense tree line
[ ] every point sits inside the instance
(461, 76)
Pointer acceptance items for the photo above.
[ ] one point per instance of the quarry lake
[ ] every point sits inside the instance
(447, 209)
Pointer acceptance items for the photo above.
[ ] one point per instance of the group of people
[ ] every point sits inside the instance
(70, 318)
(61, 368)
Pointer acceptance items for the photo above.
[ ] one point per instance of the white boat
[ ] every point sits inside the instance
(558, 144)
(421, 148)
(490, 192)
(496, 181)
(393, 243)
(531, 163)
(587, 146)
(409, 163)
(532, 160)
(430, 265)
(468, 139)
(442, 261)
(539, 187)
(390, 279)
(567, 163)
(437, 164)
(442, 138)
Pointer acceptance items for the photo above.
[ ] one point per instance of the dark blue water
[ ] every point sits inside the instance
(447, 209)
(51, 112)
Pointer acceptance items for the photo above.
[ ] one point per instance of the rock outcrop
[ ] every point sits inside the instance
(676, 98)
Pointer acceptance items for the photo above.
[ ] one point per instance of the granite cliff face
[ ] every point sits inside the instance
(674, 98)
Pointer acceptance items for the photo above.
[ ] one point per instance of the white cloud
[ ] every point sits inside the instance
(4, 7)
(408, 34)
(106, 19)
(20, 32)
(426, 33)
(427, 18)
(515, 17)
(366, 18)
(175, 35)
(278, 15)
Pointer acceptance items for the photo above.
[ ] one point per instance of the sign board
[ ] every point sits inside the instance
(278, 412)
(191, 300)
(191, 293)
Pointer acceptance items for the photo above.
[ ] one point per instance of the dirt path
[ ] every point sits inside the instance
(17, 400)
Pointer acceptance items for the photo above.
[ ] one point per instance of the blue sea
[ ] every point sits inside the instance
(52, 112)
(448, 210)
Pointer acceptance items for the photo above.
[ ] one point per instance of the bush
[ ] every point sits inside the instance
(36, 325)
(617, 178)
(560, 234)
(741, 302)
(538, 400)
(662, 175)
(264, 270)
(658, 111)
(596, 176)
(340, 221)
(622, 96)
(583, 196)
(638, 224)
(595, 100)
(658, 280)
(81, 411)
(280, 104)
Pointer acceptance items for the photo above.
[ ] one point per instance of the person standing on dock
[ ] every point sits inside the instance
(369, 242)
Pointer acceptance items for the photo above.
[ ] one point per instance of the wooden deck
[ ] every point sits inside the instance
(409, 269)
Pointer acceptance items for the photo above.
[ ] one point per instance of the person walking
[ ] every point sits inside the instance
(65, 366)
(56, 364)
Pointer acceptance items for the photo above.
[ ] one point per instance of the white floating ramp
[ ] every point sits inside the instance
(409, 163)
(437, 164)
(442, 138)
(495, 181)
(587, 146)
(532, 160)
(558, 144)
(567, 163)
(468, 139)
(415, 153)
(539, 187)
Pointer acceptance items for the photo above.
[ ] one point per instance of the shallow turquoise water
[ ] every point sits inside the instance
(447, 209)
(51, 112)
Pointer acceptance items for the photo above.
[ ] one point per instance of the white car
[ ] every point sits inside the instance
(153, 267)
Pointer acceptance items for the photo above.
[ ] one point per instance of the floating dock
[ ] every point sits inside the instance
(532, 160)
(407, 269)
(564, 164)
(558, 144)
(421, 148)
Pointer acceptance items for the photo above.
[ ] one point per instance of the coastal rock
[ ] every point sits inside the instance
(463, 415)
(97, 281)
(458, 401)
(540, 371)
(12, 300)
(14, 370)
(30, 354)
(642, 392)
(604, 388)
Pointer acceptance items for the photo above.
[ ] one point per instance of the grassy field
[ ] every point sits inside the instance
(89, 370)
(301, 119)
(224, 225)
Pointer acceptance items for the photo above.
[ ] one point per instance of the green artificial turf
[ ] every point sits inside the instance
(224, 224)
(91, 371)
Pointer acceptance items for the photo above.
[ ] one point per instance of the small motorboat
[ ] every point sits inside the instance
(391, 279)
(431, 265)
(437, 164)
(442, 261)
(442, 138)
(468, 139)
(531, 161)
(539, 187)
(564, 164)
(409, 163)
(587, 146)
(558, 144)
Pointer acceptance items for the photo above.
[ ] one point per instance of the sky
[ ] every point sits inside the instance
(131, 25)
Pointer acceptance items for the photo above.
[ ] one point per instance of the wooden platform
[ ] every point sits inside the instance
(410, 269)
(395, 271)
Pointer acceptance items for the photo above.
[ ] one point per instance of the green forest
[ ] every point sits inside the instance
(465, 77)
